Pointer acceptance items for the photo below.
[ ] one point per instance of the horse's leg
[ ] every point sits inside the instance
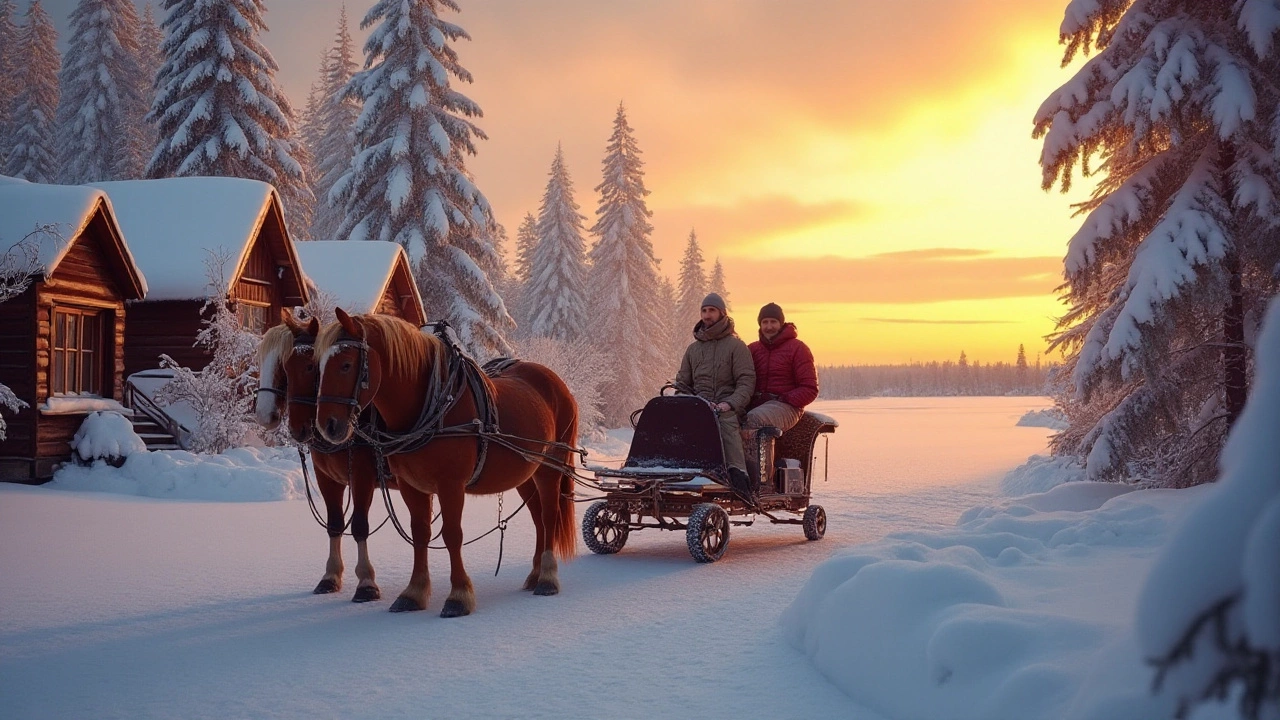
(462, 597)
(332, 492)
(362, 492)
(547, 481)
(414, 596)
(529, 493)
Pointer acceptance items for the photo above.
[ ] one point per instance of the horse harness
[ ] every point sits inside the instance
(461, 375)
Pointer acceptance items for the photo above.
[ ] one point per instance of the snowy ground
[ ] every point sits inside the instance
(120, 606)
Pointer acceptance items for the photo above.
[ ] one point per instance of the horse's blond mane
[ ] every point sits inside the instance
(276, 341)
(404, 344)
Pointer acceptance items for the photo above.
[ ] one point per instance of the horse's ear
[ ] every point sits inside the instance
(313, 327)
(350, 324)
(286, 317)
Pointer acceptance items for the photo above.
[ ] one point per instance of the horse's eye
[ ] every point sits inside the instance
(311, 367)
(346, 366)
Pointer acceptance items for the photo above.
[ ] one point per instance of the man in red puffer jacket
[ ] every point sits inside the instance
(786, 379)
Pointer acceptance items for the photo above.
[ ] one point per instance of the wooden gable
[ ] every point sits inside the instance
(400, 297)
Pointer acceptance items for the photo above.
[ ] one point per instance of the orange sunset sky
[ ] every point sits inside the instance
(866, 164)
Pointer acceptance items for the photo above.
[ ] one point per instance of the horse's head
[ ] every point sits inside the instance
(303, 375)
(272, 385)
(350, 374)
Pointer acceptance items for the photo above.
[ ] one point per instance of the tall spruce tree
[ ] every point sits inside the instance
(718, 285)
(335, 123)
(102, 103)
(408, 181)
(555, 295)
(150, 60)
(518, 278)
(1168, 275)
(693, 284)
(623, 281)
(32, 123)
(9, 67)
(218, 108)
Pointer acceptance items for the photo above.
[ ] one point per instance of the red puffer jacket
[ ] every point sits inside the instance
(784, 367)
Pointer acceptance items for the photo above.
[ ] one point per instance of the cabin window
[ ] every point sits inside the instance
(252, 317)
(76, 365)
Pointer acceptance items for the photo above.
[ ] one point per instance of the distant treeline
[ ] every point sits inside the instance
(932, 379)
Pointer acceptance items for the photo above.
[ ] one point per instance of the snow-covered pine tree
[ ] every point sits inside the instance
(218, 108)
(32, 156)
(717, 284)
(555, 295)
(623, 281)
(335, 123)
(1167, 277)
(101, 105)
(9, 39)
(518, 274)
(150, 60)
(693, 284)
(408, 181)
(676, 333)
(526, 243)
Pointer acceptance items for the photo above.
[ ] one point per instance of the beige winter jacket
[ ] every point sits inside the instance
(718, 366)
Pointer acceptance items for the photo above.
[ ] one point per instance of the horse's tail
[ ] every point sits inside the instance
(565, 541)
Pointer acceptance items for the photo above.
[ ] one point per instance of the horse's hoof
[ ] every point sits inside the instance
(453, 608)
(546, 588)
(404, 604)
(367, 593)
(327, 586)
(530, 582)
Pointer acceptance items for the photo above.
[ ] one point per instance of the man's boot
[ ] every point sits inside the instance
(742, 485)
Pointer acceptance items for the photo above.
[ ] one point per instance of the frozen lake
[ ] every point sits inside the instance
(126, 607)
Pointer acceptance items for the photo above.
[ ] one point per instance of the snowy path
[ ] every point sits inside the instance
(124, 607)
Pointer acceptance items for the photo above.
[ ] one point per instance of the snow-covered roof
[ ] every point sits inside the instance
(172, 226)
(60, 213)
(355, 272)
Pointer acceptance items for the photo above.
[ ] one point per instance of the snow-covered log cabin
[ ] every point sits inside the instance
(363, 277)
(190, 234)
(63, 348)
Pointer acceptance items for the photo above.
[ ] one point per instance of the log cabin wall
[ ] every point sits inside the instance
(259, 290)
(163, 326)
(18, 328)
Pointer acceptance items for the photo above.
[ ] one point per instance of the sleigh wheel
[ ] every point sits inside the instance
(708, 533)
(605, 528)
(815, 522)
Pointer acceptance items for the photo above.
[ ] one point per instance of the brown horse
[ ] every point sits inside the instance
(389, 363)
(287, 382)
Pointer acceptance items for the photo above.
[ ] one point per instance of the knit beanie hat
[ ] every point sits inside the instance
(715, 301)
(772, 310)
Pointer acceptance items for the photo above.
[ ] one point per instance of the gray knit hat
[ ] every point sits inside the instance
(715, 301)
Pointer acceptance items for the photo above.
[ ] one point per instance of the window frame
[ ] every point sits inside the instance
(76, 367)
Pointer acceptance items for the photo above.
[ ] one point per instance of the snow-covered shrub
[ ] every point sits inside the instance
(1175, 259)
(17, 265)
(1209, 615)
(106, 435)
(222, 394)
(582, 367)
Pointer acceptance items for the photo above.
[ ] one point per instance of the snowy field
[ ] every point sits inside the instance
(135, 607)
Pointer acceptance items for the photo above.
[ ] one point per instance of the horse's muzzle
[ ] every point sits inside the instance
(336, 430)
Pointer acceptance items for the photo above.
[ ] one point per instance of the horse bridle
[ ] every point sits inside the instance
(362, 380)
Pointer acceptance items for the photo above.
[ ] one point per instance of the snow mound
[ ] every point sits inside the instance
(237, 475)
(1051, 418)
(106, 435)
(1041, 473)
(986, 621)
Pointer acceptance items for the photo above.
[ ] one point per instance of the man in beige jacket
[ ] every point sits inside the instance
(718, 367)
